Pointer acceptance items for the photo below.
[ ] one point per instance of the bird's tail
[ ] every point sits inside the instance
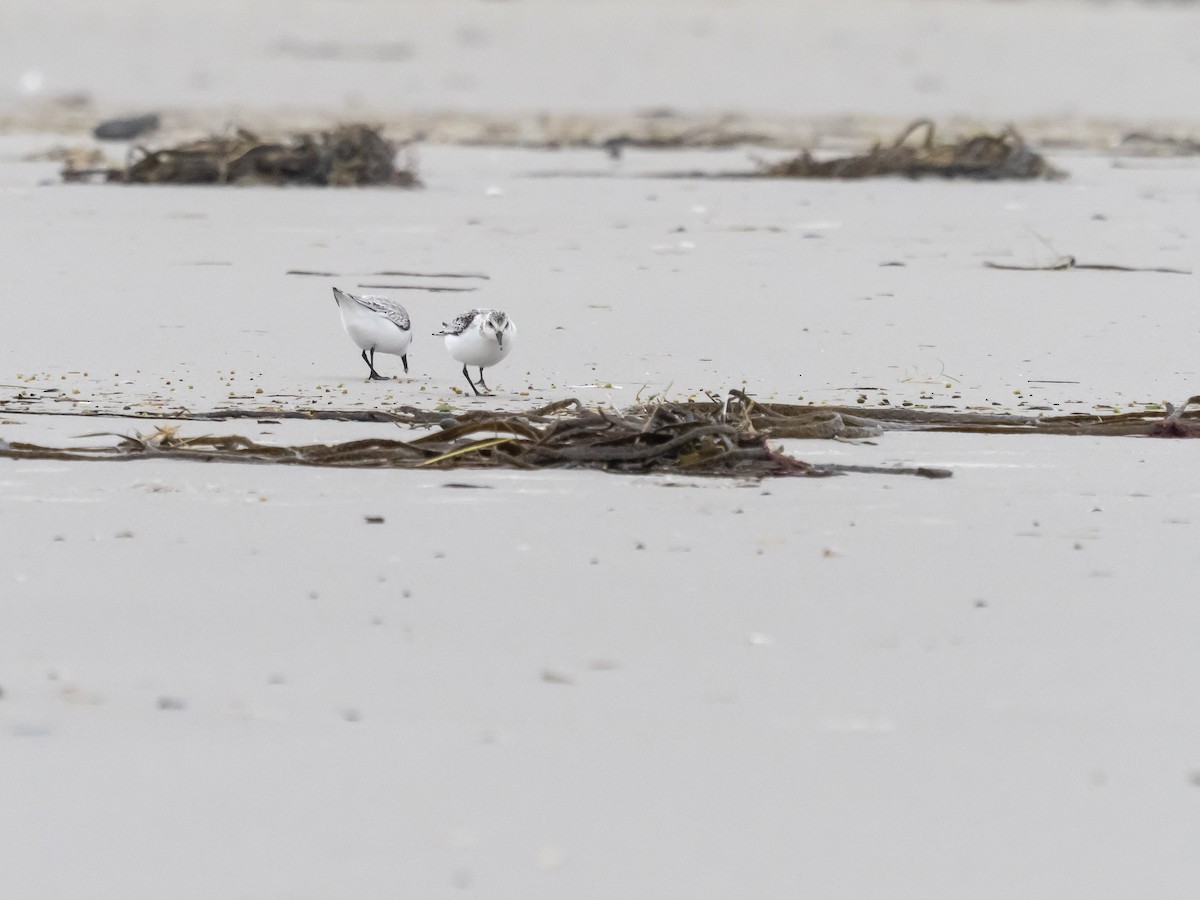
(339, 295)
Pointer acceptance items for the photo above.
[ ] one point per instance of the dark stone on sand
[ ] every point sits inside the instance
(127, 128)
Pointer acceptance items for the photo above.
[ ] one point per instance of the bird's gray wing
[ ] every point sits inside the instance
(460, 323)
(389, 309)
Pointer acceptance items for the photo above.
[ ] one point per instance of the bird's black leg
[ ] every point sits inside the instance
(404, 359)
(469, 381)
(374, 376)
(480, 381)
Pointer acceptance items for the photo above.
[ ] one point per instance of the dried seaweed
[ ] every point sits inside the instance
(774, 420)
(708, 137)
(431, 288)
(788, 420)
(982, 156)
(1065, 263)
(391, 274)
(667, 438)
(1142, 143)
(349, 155)
(716, 438)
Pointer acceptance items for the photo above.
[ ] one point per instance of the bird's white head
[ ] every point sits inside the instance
(499, 326)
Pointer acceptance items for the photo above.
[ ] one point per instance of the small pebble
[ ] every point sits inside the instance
(127, 128)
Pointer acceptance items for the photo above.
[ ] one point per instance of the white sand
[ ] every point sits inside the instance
(222, 681)
(852, 687)
(644, 284)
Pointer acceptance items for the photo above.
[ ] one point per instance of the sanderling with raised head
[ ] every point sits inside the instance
(375, 323)
(479, 337)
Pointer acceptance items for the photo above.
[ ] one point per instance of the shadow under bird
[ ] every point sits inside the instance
(480, 337)
(375, 323)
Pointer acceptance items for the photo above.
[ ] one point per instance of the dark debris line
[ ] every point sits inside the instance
(984, 157)
(790, 420)
(716, 438)
(349, 155)
(776, 420)
(685, 439)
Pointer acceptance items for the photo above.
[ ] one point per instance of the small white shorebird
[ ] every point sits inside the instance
(479, 337)
(375, 323)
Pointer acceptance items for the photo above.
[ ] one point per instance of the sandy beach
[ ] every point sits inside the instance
(230, 680)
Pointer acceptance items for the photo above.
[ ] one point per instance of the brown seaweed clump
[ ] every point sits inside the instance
(717, 439)
(984, 157)
(347, 156)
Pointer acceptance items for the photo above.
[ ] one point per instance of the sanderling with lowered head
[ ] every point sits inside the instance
(375, 323)
(479, 337)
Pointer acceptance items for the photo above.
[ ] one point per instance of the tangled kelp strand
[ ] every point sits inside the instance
(349, 155)
(789, 420)
(1142, 143)
(1069, 263)
(773, 420)
(672, 438)
(982, 156)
